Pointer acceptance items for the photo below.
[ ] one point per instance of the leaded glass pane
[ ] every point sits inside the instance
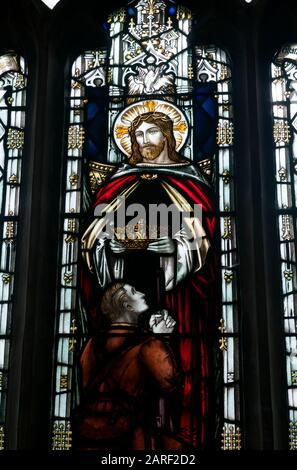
(150, 69)
(284, 111)
(13, 82)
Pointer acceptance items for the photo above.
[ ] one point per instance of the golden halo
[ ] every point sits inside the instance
(127, 116)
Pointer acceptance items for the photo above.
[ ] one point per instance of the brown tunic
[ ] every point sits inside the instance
(119, 405)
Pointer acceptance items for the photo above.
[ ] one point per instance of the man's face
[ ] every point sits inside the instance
(150, 139)
(136, 299)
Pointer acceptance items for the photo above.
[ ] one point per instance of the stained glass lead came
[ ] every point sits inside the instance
(283, 85)
(139, 69)
(12, 140)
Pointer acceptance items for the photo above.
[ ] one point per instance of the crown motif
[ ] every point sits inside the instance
(138, 236)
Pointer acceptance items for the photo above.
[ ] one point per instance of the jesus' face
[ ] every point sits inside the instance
(150, 139)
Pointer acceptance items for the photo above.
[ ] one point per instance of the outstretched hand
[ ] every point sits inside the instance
(162, 322)
(164, 245)
(116, 247)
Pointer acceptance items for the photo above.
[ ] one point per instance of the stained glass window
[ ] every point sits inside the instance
(13, 79)
(215, 137)
(86, 103)
(284, 100)
(150, 68)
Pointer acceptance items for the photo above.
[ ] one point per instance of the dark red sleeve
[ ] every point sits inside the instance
(111, 189)
(198, 193)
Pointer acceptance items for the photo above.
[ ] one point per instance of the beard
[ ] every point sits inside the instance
(151, 151)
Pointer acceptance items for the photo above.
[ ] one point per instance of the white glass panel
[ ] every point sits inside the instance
(3, 319)
(73, 170)
(65, 322)
(283, 196)
(229, 403)
(230, 354)
(291, 344)
(228, 315)
(63, 350)
(293, 397)
(2, 353)
(50, 3)
(290, 326)
(67, 300)
(289, 305)
(72, 201)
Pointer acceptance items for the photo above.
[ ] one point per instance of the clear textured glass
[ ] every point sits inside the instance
(13, 83)
(284, 108)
